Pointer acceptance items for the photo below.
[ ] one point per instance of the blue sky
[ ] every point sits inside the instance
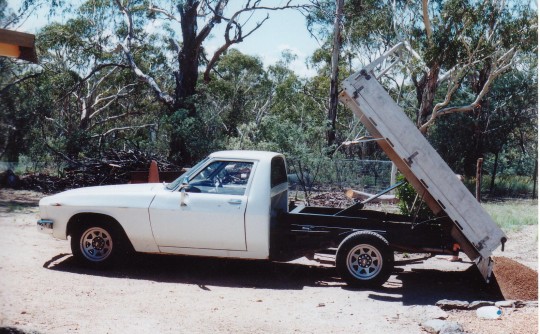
(284, 30)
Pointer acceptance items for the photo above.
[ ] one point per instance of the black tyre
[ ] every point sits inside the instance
(364, 259)
(97, 245)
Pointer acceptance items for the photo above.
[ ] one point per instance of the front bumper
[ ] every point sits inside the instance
(45, 226)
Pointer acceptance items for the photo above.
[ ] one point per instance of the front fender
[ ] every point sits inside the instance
(130, 210)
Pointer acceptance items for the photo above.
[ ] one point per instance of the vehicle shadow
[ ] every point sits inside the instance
(428, 286)
(204, 272)
(410, 287)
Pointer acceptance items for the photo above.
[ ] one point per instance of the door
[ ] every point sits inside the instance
(210, 213)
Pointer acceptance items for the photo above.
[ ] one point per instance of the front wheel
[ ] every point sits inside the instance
(364, 259)
(95, 245)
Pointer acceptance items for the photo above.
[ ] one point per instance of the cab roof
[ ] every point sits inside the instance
(245, 154)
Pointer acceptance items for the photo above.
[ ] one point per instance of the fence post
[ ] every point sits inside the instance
(535, 177)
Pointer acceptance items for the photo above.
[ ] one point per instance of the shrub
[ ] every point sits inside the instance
(410, 203)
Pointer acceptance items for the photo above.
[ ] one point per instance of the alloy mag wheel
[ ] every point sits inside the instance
(364, 261)
(96, 244)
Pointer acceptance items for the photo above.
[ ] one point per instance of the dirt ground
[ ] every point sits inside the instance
(42, 290)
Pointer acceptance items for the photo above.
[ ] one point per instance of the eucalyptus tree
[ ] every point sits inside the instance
(96, 97)
(239, 91)
(19, 107)
(507, 125)
(178, 32)
(277, 113)
(474, 43)
(177, 24)
(459, 46)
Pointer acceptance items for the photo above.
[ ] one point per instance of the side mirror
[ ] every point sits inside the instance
(183, 187)
(185, 183)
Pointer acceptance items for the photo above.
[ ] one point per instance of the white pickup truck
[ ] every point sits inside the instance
(234, 204)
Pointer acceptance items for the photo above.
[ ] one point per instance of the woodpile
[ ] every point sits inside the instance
(334, 199)
(114, 167)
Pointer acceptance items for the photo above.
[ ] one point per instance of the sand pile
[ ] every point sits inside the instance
(516, 281)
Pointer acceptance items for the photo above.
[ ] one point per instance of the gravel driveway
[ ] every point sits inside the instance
(44, 291)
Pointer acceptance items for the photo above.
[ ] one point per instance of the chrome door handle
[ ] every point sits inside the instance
(235, 201)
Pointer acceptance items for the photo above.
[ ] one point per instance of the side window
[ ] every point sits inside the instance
(222, 177)
(278, 172)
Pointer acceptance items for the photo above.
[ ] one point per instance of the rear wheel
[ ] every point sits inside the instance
(364, 259)
(97, 245)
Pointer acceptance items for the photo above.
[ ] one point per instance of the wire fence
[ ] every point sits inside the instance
(370, 176)
(367, 175)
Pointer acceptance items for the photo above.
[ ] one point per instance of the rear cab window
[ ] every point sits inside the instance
(278, 171)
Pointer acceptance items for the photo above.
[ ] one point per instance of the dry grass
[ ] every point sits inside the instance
(512, 215)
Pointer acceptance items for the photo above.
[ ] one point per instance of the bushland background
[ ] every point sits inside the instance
(147, 77)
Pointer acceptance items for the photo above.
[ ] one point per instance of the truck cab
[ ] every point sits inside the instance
(224, 206)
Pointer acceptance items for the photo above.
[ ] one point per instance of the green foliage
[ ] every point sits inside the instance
(505, 186)
(504, 133)
(410, 203)
(19, 115)
(190, 129)
(235, 94)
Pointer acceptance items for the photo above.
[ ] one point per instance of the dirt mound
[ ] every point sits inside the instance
(516, 281)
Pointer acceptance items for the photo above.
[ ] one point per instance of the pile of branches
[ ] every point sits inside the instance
(114, 167)
(334, 199)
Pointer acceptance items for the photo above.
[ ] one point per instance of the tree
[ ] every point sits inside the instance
(333, 101)
(474, 41)
(18, 115)
(239, 91)
(187, 48)
(94, 93)
(462, 46)
(488, 35)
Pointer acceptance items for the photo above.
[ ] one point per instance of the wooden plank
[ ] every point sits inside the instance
(356, 194)
(421, 164)
(18, 44)
(9, 50)
(17, 38)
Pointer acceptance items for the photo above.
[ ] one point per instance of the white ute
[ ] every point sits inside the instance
(234, 204)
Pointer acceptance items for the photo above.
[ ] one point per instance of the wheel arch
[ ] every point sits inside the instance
(344, 235)
(86, 218)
